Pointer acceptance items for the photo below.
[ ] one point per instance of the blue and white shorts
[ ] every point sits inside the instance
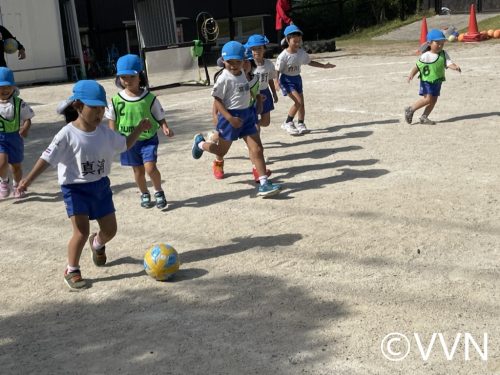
(426, 88)
(141, 152)
(290, 83)
(248, 117)
(268, 104)
(93, 199)
(12, 144)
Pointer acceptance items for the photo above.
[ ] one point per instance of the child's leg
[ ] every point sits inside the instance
(81, 227)
(107, 228)
(219, 149)
(140, 178)
(297, 104)
(256, 153)
(265, 119)
(4, 166)
(423, 102)
(154, 174)
(17, 172)
(432, 102)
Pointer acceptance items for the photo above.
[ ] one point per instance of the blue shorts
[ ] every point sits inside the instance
(433, 89)
(290, 83)
(228, 133)
(12, 144)
(141, 152)
(93, 199)
(268, 104)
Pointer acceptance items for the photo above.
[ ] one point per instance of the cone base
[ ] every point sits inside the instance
(472, 37)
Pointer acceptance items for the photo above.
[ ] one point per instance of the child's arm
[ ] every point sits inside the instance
(24, 129)
(273, 90)
(214, 114)
(234, 121)
(144, 124)
(40, 166)
(454, 66)
(259, 99)
(412, 74)
(317, 64)
(112, 125)
(166, 130)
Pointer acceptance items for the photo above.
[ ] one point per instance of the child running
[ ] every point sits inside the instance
(15, 122)
(236, 117)
(126, 110)
(431, 65)
(83, 152)
(289, 80)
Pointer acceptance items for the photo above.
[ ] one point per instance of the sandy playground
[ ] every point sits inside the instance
(382, 228)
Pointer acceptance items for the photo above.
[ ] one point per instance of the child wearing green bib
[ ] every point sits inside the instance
(131, 105)
(431, 65)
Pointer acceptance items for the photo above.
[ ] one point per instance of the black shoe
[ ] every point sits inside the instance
(161, 201)
(146, 200)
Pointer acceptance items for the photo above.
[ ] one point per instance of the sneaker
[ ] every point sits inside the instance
(290, 128)
(256, 174)
(268, 190)
(218, 169)
(74, 280)
(18, 194)
(98, 256)
(408, 115)
(301, 127)
(161, 201)
(4, 189)
(426, 121)
(146, 200)
(195, 150)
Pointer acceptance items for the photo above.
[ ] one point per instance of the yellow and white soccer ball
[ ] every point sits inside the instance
(10, 45)
(161, 262)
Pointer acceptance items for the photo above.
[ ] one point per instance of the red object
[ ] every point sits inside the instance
(472, 34)
(283, 8)
(423, 37)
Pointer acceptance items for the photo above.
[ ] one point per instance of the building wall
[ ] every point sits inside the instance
(37, 25)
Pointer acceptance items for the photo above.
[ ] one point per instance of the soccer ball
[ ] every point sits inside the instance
(161, 262)
(452, 38)
(10, 45)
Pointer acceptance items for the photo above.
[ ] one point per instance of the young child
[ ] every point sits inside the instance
(431, 65)
(15, 122)
(83, 152)
(127, 108)
(289, 80)
(236, 118)
(266, 74)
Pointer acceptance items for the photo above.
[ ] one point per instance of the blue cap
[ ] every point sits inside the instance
(89, 92)
(256, 40)
(291, 29)
(233, 51)
(6, 77)
(129, 65)
(435, 34)
(248, 54)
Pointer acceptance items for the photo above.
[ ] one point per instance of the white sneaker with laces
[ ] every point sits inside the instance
(301, 127)
(290, 128)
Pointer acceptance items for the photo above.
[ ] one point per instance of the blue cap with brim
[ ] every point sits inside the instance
(435, 35)
(89, 93)
(233, 51)
(256, 40)
(129, 65)
(292, 29)
(6, 77)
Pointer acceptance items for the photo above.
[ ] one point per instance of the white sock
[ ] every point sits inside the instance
(72, 269)
(263, 180)
(200, 145)
(96, 244)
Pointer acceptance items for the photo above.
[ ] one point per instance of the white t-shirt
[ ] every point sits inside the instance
(265, 72)
(429, 57)
(289, 63)
(234, 91)
(156, 110)
(7, 110)
(83, 156)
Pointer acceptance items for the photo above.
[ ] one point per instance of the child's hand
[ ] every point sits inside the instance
(22, 186)
(329, 66)
(458, 69)
(409, 78)
(167, 131)
(275, 99)
(23, 131)
(145, 124)
(235, 122)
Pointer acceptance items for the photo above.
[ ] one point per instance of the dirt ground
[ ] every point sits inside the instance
(382, 227)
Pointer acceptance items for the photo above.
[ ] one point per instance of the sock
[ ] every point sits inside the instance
(263, 180)
(200, 145)
(301, 121)
(289, 119)
(70, 269)
(96, 244)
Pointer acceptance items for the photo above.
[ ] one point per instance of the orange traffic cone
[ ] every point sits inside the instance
(472, 34)
(423, 37)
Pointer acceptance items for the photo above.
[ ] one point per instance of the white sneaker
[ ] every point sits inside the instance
(290, 128)
(4, 189)
(301, 127)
